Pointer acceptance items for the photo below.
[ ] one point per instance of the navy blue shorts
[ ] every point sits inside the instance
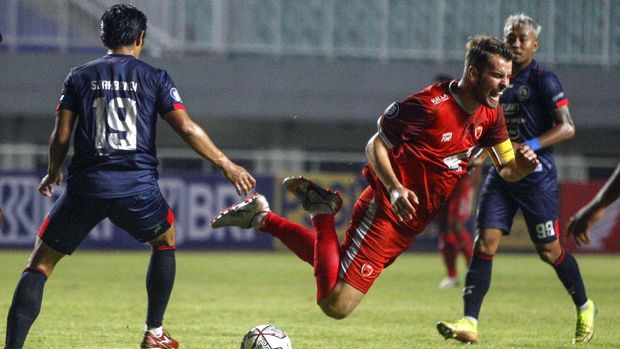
(144, 216)
(536, 196)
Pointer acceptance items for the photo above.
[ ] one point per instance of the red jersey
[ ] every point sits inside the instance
(432, 138)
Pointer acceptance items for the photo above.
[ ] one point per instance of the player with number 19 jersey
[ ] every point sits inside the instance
(116, 99)
(432, 138)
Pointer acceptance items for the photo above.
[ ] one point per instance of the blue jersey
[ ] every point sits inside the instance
(528, 105)
(116, 99)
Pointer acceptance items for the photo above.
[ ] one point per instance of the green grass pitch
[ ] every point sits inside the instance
(97, 300)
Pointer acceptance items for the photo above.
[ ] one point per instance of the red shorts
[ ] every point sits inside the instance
(372, 242)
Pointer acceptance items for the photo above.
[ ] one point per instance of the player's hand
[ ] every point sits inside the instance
(526, 159)
(580, 223)
(239, 177)
(402, 200)
(45, 187)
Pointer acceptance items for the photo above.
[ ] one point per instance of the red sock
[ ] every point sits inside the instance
(467, 244)
(448, 246)
(326, 255)
(297, 238)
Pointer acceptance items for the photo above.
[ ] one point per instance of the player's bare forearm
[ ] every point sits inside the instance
(377, 154)
(563, 130)
(60, 140)
(610, 191)
(57, 155)
(58, 148)
(593, 211)
(401, 198)
(524, 163)
(198, 139)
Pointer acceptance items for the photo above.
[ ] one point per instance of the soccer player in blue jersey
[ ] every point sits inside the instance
(112, 105)
(537, 114)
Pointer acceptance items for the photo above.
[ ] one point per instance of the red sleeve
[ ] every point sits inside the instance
(496, 131)
(402, 122)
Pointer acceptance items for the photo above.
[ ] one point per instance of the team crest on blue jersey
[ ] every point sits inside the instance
(524, 93)
(175, 95)
(391, 111)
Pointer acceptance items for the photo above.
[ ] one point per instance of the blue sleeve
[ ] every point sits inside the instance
(553, 93)
(168, 97)
(68, 97)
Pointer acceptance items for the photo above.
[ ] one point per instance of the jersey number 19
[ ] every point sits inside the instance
(114, 132)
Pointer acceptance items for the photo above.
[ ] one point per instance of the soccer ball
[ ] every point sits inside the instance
(266, 337)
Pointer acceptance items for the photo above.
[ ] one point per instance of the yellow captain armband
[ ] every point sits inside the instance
(502, 153)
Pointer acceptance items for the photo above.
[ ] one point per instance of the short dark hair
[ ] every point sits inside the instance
(481, 47)
(121, 25)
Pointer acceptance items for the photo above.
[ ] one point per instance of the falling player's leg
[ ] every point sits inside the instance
(254, 212)
(322, 204)
(371, 243)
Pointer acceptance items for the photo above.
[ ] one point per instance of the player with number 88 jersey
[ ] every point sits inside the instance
(537, 116)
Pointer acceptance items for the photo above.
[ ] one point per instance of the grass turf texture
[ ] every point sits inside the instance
(97, 300)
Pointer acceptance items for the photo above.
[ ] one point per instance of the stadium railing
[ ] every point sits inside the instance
(575, 31)
(28, 157)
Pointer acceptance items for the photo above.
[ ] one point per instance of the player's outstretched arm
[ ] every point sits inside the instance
(60, 141)
(402, 199)
(197, 138)
(513, 166)
(564, 129)
(580, 223)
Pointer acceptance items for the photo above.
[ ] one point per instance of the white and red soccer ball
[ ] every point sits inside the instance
(266, 337)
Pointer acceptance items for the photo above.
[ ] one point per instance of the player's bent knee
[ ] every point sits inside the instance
(167, 239)
(334, 311)
(44, 258)
(341, 302)
(547, 256)
(549, 252)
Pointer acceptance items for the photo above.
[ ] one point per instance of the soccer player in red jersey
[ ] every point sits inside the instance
(111, 105)
(421, 149)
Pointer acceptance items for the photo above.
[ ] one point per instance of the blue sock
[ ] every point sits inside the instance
(25, 307)
(477, 283)
(159, 282)
(568, 271)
